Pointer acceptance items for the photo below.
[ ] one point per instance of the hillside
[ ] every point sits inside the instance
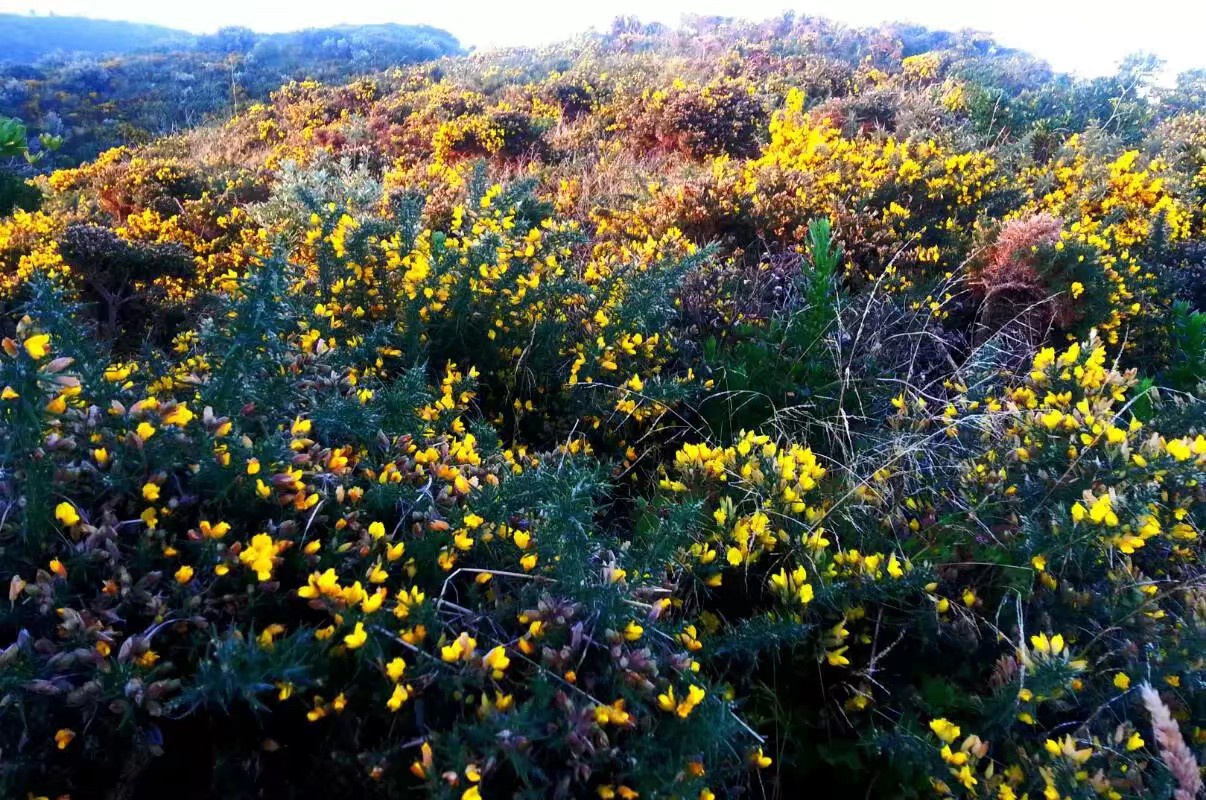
(99, 97)
(707, 412)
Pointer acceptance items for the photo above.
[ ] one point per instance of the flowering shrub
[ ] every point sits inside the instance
(525, 428)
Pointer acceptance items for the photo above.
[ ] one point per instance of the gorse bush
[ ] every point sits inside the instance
(612, 421)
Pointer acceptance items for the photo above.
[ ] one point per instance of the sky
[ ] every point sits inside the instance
(1088, 37)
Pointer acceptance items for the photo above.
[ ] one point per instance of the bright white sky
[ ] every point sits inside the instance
(1085, 36)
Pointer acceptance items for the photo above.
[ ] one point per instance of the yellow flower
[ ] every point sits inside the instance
(1068, 749)
(837, 658)
(65, 513)
(357, 637)
(1052, 419)
(184, 575)
(1122, 681)
(150, 492)
(695, 696)
(260, 555)
(1047, 646)
(395, 669)
(372, 603)
(145, 430)
(683, 708)
(377, 574)
(1178, 450)
(210, 531)
(63, 737)
(461, 648)
(38, 346)
(1102, 511)
(496, 661)
(400, 695)
(179, 416)
(945, 729)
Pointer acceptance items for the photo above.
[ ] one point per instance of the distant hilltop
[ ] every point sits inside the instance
(26, 39)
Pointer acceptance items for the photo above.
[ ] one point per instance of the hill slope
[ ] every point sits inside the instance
(671, 413)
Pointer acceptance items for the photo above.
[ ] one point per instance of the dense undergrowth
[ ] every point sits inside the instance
(696, 414)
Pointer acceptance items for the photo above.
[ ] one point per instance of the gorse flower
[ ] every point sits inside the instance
(37, 346)
(65, 513)
(260, 555)
(357, 637)
(682, 708)
(945, 730)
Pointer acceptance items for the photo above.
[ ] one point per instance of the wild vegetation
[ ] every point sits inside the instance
(696, 413)
(95, 85)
